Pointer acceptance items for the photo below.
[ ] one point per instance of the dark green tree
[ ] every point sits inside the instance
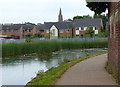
(98, 7)
(90, 31)
(82, 17)
(104, 19)
(77, 17)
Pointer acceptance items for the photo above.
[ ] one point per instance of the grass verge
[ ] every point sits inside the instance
(112, 71)
(52, 75)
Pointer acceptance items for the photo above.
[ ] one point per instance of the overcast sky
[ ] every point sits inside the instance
(40, 11)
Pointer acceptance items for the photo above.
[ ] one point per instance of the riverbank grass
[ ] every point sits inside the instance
(44, 48)
(52, 75)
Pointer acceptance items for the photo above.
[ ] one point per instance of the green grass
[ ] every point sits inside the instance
(45, 48)
(112, 71)
(51, 76)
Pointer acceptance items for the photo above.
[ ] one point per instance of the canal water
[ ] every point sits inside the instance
(20, 70)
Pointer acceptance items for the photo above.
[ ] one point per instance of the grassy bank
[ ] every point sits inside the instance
(112, 71)
(47, 47)
(51, 76)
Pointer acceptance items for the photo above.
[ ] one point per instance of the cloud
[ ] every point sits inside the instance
(40, 10)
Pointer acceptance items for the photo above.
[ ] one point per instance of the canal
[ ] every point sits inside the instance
(21, 69)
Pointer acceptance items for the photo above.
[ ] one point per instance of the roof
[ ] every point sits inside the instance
(17, 26)
(87, 22)
(6, 27)
(59, 25)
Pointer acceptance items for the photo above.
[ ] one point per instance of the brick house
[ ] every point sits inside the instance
(52, 29)
(59, 29)
(18, 31)
(114, 37)
(70, 29)
(82, 24)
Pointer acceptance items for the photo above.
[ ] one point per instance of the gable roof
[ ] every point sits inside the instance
(17, 26)
(7, 27)
(87, 22)
(58, 25)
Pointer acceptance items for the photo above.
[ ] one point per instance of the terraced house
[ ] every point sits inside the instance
(53, 30)
(18, 31)
(71, 29)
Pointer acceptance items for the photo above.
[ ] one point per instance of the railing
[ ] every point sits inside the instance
(59, 39)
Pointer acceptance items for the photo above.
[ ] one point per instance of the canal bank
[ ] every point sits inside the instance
(50, 77)
(27, 66)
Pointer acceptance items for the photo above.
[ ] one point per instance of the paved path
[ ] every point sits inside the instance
(88, 72)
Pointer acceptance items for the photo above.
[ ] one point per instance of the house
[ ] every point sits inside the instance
(81, 25)
(52, 30)
(59, 29)
(114, 37)
(70, 29)
(18, 31)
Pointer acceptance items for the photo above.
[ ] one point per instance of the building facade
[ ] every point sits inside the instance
(52, 30)
(114, 37)
(18, 31)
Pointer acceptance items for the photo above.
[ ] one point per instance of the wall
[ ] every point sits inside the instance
(114, 36)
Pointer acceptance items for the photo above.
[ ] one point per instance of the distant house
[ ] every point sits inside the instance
(52, 30)
(70, 29)
(114, 37)
(18, 31)
(81, 25)
(59, 29)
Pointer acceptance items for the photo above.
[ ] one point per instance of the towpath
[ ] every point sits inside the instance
(88, 72)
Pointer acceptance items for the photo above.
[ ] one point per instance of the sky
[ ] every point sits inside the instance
(40, 11)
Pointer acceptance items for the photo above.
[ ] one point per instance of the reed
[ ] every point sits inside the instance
(46, 48)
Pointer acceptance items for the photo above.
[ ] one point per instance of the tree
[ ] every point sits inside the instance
(87, 16)
(69, 19)
(82, 17)
(98, 7)
(90, 31)
(77, 17)
(104, 19)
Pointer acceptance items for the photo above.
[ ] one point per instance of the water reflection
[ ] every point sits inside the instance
(20, 70)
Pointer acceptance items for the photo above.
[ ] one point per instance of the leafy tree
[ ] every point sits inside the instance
(77, 17)
(82, 17)
(87, 16)
(104, 19)
(90, 31)
(98, 7)
(70, 19)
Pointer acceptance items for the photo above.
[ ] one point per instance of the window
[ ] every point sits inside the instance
(67, 30)
(95, 28)
(15, 30)
(47, 31)
(82, 28)
(41, 30)
(29, 30)
(53, 32)
(61, 31)
(77, 28)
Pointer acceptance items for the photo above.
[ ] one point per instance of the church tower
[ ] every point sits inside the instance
(60, 17)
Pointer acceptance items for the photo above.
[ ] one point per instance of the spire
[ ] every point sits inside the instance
(60, 17)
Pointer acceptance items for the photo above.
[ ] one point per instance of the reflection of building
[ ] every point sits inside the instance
(114, 36)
